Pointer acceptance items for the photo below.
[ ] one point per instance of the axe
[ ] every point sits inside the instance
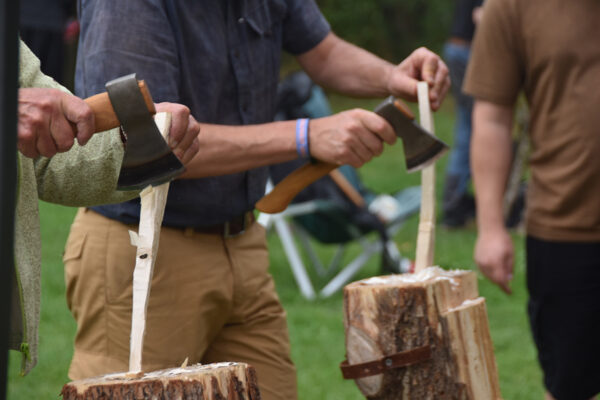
(420, 150)
(148, 160)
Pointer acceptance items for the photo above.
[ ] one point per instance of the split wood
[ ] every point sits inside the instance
(426, 235)
(433, 318)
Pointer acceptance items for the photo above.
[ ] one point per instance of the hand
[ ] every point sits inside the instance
(494, 255)
(49, 120)
(421, 65)
(350, 137)
(477, 14)
(183, 135)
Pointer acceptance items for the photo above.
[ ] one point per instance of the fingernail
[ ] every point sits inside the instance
(173, 143)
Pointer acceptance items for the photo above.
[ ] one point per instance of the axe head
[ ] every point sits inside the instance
(148, 160)
(421, 148)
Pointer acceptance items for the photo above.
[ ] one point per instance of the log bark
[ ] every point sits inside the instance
(222, 381)
(440, 309)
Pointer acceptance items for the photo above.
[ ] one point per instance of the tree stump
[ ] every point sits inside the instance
(219, 381)
(425, 333)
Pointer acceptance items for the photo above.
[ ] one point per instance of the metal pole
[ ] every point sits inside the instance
(9, 58)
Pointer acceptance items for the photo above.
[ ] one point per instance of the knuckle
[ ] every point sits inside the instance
(45, 104)
(36, 120)
(86, 114)
(65, 144)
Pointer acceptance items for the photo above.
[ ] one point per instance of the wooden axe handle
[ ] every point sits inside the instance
(346, 187)
(105, 115)
(282, 194)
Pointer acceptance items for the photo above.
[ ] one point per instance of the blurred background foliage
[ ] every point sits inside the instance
(390, 28)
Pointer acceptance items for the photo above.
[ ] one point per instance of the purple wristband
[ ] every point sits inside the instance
(302, 137)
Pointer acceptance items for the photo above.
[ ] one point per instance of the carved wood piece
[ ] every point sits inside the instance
(153, 201)
(426, 234)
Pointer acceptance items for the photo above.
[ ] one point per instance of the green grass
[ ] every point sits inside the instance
(316, 328)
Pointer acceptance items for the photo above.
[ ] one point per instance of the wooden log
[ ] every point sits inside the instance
(221, 381)
(434, 309)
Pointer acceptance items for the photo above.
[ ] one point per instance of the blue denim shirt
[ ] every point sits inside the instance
(221, 58)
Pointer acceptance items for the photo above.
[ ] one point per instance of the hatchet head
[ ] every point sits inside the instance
(148, 160)
(421, 148)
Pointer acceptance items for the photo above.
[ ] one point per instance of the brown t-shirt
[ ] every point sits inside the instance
(550, 49)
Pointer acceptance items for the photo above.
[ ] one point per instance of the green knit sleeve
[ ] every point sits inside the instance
(85, 175)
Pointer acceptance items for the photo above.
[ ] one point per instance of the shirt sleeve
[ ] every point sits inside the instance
(84, 175)
(304, 26)
(495, 71)
(123, 37)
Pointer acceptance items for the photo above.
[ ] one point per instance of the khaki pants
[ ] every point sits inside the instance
(211, 300)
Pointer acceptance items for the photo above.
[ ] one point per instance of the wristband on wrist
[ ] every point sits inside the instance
(302, 137)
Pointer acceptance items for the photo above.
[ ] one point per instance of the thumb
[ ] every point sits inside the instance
(405, 86)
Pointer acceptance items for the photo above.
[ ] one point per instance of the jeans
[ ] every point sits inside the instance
(458, 169)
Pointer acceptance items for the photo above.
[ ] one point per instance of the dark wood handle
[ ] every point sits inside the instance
(105, 114)
(402, 107)
(348, 189)
(284, 192)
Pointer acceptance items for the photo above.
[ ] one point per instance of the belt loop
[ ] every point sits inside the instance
(226, 230)
(245, 224)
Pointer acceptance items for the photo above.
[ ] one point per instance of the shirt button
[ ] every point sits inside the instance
(241, 20)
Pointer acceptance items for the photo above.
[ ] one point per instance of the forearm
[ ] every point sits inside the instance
(350, 137)
(346, 68)
(229, 149)
(490, 160)
(84, 175)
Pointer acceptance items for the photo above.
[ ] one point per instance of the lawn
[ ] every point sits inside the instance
(316, 329)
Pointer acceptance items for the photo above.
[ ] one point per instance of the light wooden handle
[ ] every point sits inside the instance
(105, 115)
(346, 187)
(284, 192)
(426, 235)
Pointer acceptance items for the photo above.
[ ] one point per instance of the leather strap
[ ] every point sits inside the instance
(233, 227)
(376, 367)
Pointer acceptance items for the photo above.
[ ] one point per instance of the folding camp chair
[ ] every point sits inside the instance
(330, 221)
(336, 209)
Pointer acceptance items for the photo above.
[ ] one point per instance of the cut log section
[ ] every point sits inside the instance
(222, 381)
(419, 336)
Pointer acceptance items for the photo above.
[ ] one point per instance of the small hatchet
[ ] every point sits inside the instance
(420, 150)
(148, 160)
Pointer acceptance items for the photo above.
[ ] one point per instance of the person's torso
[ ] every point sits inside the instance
(226, 71)
(561, 41)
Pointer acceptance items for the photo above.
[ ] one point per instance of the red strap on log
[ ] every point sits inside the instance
(376, 367)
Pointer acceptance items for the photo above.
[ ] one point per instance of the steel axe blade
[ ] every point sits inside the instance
(148, 159)
(421, 148)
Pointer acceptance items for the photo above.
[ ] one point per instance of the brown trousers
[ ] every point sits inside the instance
(211, 300)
